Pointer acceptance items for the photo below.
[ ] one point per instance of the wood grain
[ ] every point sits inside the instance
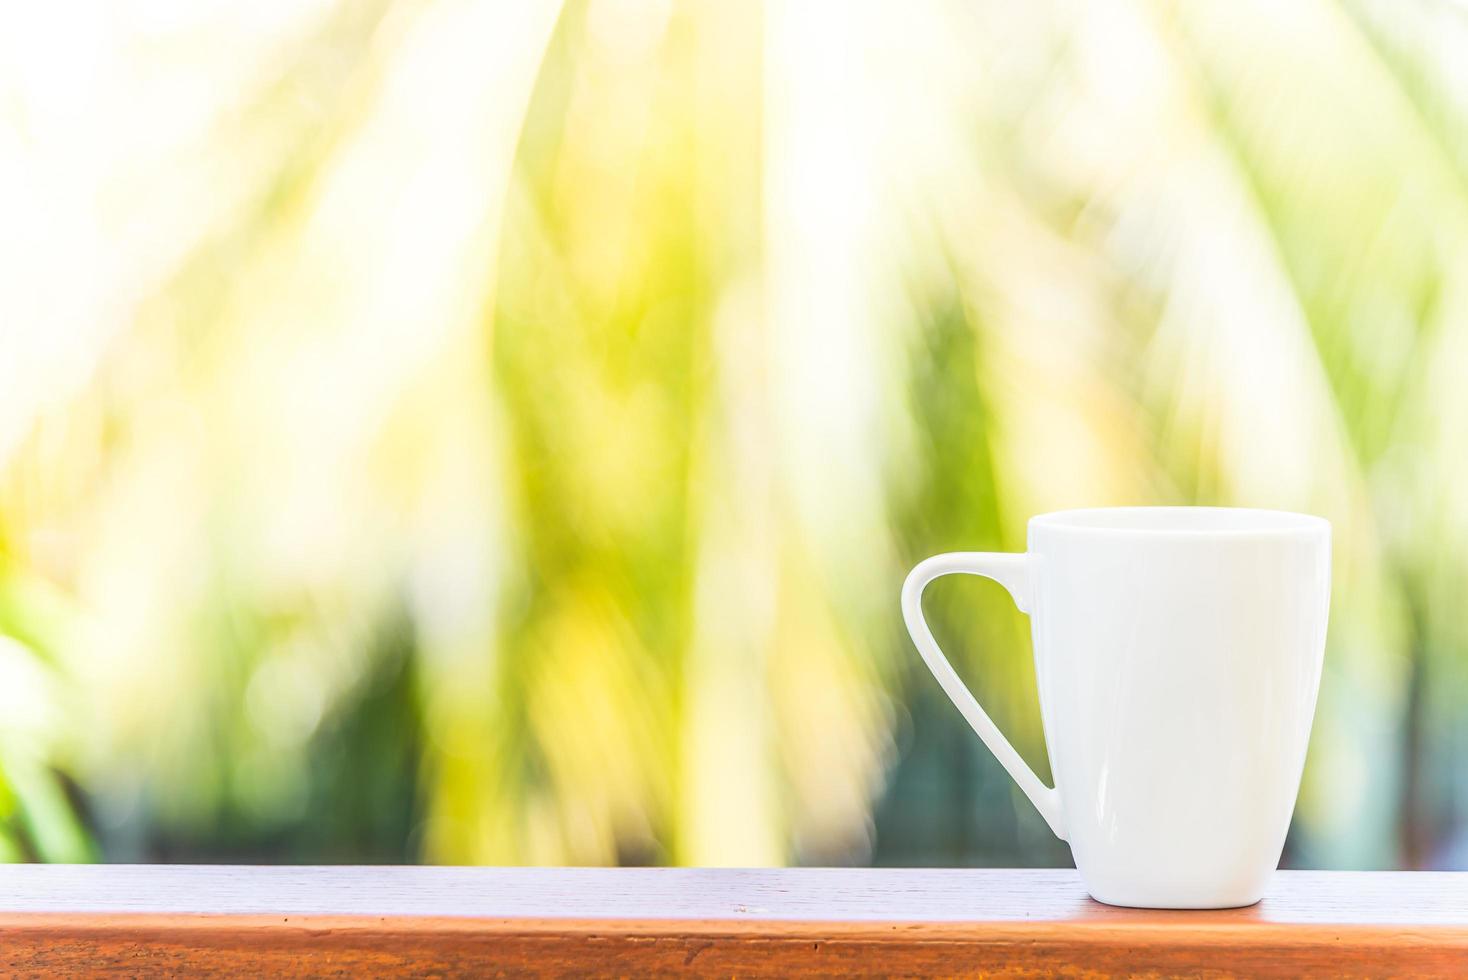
(336, 921)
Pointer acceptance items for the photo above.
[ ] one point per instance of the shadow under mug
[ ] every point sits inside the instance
(1178, 654)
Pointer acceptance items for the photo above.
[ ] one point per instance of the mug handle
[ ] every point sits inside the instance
(1012, 572)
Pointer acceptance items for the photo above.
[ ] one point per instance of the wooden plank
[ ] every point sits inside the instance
(481, 921)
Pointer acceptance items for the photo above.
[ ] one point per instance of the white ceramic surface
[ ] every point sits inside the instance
(1178, 654)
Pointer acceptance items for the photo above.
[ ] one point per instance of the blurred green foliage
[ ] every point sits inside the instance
(453, 431)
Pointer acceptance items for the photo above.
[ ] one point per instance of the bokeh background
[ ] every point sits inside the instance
(487, 431)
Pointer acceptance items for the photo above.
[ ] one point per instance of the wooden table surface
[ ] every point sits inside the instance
(485, 921)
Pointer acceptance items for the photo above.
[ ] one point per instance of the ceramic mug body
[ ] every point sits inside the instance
(1178, 654)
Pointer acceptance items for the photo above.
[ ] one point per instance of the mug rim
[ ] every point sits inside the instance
(1180, 520)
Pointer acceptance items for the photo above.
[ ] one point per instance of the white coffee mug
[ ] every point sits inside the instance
(1178, 654)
